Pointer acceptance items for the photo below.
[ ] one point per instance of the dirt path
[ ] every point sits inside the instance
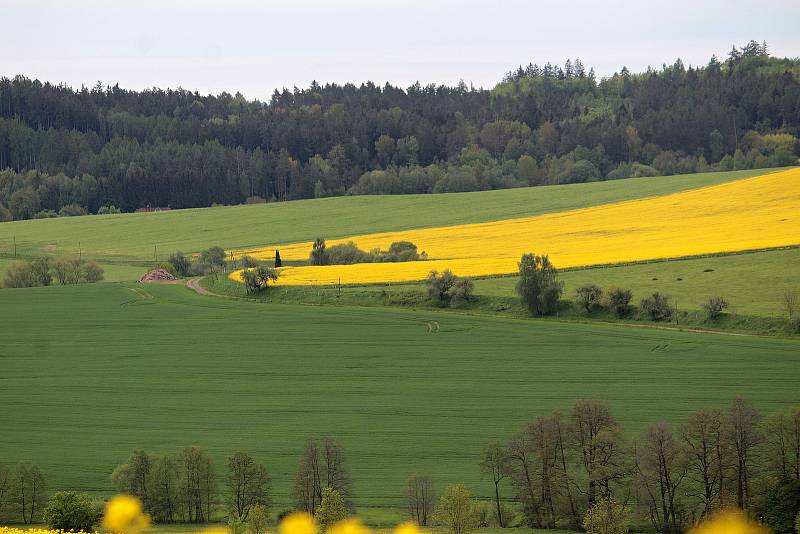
(194, 284)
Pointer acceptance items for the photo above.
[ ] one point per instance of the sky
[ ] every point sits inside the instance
(254, 47)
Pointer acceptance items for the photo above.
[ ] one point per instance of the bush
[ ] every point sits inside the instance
(619, 301)
(214, 256)
(258, 279)
(319, 256)
(447, 288)
(72, 210)
(606, 517)
(346, 254)
(588, 296)
(181, 263)
(400, 251)
(794, 326)
(71, 511)
(20, 274)
(538, 285)
(714, 307)
(462, 291)
(107, 210)
(656, 307)
(247, 262)
(40, 268)
(91, 272)
(46, 214)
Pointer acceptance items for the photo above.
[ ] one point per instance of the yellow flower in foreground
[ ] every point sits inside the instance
(124, 515)
(409, 527)
(730, 522)
(298, 523)
(351, 525)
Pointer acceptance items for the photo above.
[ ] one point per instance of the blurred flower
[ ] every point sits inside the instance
(298, 523)
(124, 515)
(730, 522)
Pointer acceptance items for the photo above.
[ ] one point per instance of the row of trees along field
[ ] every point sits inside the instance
(109, 148)
(560, 467)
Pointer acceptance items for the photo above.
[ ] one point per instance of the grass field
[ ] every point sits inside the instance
(145, 235)
(90, 372)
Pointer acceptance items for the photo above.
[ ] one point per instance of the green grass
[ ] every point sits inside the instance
(144, 236)
(90, 372)
(754, 283)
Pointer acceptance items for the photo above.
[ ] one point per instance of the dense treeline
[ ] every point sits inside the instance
(107, 146)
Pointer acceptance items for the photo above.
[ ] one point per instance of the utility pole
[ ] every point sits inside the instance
(155, 252)
(80, 252)
(15, 246)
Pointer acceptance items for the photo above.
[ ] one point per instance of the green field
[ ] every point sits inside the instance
(90, 372)
(754, 284)
(143, 236)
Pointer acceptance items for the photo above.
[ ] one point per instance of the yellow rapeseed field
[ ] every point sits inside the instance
(753, 213)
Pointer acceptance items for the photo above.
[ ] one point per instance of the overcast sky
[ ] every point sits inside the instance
(257, 46)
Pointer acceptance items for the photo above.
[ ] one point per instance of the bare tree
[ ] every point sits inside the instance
(321, 466)
(421, 498)
(307, 489)
(495, 463)
(744, 436)
(198, 484)
(598, 440)
(248, 485)
(707, 457)
(661, 469)
(791, 302)
(781, 432)
(30, 491)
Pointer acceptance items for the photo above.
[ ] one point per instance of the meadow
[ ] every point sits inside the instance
(141, 237)
(90, 372)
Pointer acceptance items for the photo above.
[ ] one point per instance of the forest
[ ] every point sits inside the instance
(66, 151)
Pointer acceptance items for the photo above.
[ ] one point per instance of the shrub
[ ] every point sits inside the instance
(20, 274)
(346, 254)
(794, 325)
(714, 307)
(401, 251)
(247, 262)
(258, 519)
(46, 214)
(439, 286)
(332, 509)
(619, 301)
(588, 296)
(462, 291)
(71, 511)
(107, 210)
(606, 517)
(319, 255)
(258, 279)
(72, 210)
(656, 307)
(181, 263)
(214, 256)
(538, 284)
(40, 268)
(91, 272)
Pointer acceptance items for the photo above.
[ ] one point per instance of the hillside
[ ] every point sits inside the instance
(125, 238)
(161, 368)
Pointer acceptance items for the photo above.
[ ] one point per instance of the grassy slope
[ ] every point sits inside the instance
(753, 284)
(90, 372)
(133, 236)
